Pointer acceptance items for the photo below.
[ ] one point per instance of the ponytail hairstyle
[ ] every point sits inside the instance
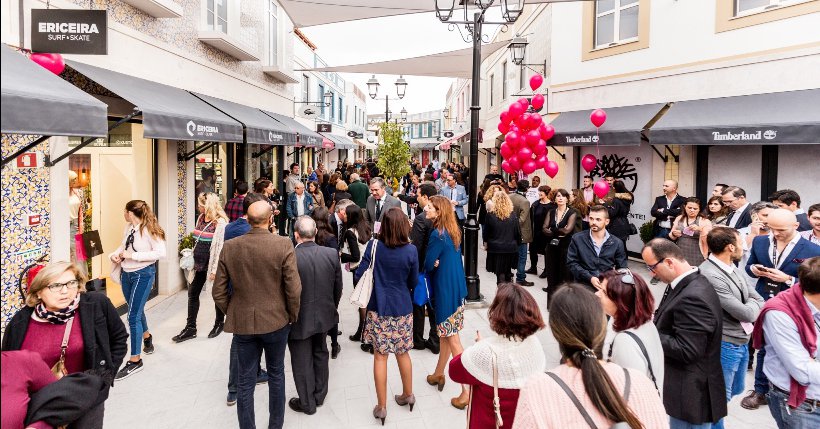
(147, 218)
(578, 323)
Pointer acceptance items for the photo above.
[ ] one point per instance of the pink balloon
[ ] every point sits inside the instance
(51, 62)
(536, 81)
(551, 169)
(524, 154)
(537, 101)
(515, 110)
(506, 167)
(588, 162)
(601, 188)
(515, 164)
(529, 166)
(597, 117)
(533, 137)
(522, 120)
(524, 102)
(534, 121)
(504, 117)
(503, 127)
(506, 150)
(548, 132)
(512, 139)
(541, 161)
(514, 127)
(540, 148)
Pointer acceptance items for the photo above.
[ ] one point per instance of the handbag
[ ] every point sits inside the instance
(59, 370)
(496, 400)
(580, 407)
(186, 260)
(632, 229)
(361, 293)
(421, 294)
(92, 244)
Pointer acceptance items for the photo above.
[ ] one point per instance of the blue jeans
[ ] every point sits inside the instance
(663, 233)
(733, 359)
(680, 424)
(233, 368)
(761, 381)
(803, 417)
(136, 286)
(520, 273)
(249, 350)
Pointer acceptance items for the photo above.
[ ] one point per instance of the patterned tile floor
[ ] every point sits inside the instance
(185, 385)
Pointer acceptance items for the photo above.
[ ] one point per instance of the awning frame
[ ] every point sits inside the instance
(190, 155)
(86, 142)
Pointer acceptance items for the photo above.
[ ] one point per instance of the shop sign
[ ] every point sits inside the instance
(744, 136)
(448, 134)
(309, 111)
(351, 134)
(69, 31)
(200, 130)
(323, 128)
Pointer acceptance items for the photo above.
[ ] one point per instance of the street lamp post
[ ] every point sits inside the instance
(510, 10)
(373, 91)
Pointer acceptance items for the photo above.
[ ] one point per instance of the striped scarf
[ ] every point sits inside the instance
(59, 317)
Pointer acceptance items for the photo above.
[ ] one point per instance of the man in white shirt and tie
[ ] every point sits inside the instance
(378, 203)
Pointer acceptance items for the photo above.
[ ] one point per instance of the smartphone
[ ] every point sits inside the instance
(761, 267)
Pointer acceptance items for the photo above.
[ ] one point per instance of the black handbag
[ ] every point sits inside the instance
(632, 229)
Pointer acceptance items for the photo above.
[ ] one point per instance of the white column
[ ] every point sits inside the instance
(60, 231)
(169, 276)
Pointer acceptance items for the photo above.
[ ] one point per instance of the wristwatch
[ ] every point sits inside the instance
(790, 281)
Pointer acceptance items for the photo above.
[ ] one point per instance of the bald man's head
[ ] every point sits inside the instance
(259, 214)
(670, 187)
(783, 224)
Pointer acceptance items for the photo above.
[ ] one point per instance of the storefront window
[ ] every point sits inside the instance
(210, 171)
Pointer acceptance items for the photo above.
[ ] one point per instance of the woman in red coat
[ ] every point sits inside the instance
(514, 316)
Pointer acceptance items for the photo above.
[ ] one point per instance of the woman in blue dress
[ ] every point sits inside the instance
(445, 273)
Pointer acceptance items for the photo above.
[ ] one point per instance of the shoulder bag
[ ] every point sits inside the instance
(643, 351)
(59, 370)
(186, 260)
(496, 400)
(361, 293)
(580, 407)
(421, 294)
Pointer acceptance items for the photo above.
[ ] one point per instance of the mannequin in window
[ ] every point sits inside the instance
(75, 215)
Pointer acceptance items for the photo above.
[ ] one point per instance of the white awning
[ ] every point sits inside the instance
(308, 13)
(453, 64)
(449, 142)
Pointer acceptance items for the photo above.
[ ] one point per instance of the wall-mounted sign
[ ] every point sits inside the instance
(323, 128)
(29, 160)
(33, 219)
(309, 111)
(448, 134)
(351, 134)
(69, 31)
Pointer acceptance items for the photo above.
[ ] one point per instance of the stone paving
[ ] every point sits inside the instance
(185, 385)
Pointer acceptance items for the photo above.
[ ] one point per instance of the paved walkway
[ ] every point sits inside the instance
(185, 385)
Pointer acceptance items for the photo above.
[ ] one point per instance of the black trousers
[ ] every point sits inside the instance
(418, 324)
(194, 290)
(557, 271)
(536, 248)
(309, 361)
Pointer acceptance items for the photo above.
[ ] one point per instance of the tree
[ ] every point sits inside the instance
(393, 154)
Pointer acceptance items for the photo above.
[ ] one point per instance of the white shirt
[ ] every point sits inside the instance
(627, 353)
(300, 204)
(680, 277)
(532, 195)
(737, 214)
(785, 355)
(781, 256)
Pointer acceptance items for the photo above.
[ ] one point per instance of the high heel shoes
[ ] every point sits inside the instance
(380, 413)
(436, 381)
(406, 400)
(458, 403)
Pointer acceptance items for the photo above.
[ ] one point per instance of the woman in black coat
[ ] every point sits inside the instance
(538, 213)
(502, 233)
(558, 228)
(618, 209)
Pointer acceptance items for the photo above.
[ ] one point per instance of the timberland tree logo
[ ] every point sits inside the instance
(195, 129)
(619, 167)
(744, 136)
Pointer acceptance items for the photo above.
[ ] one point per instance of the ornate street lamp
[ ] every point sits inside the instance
(518, 47)
(403, 114)
(401, 86)
(373, 91)
(444, 9)
(511, 9)
(373, 87)
(446, 113)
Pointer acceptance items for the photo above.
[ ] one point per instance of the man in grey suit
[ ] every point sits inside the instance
(521, 210)
(378, 203)
(321, 274)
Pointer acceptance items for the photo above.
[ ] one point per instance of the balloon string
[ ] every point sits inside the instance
(597, 144)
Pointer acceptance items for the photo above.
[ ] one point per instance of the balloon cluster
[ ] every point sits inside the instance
(51, 62)
(526, 135)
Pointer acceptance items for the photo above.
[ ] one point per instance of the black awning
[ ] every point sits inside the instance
(168, 112)
(791, 117)
(341, 142)
(623, 127)
(259, 127)
(307, 137)
(35, 101)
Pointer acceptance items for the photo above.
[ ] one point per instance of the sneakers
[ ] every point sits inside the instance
(129, 369)
(218, 328)
(185, 335)
(148, 345)
(231, 399)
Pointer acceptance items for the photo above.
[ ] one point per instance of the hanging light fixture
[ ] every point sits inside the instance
(401, 86)
(373, 87)
(511, 9)
(444, 9)
(518, 47)
(446, 113)
(403, 114)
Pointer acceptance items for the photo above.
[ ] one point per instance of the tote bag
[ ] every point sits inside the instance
(362, 291)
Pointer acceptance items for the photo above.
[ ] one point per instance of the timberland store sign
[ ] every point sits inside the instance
(69, 31)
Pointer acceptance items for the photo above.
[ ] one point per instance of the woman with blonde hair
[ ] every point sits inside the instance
(209, 234)
(488, 196)
(143, 244)
(445, 272)
(502, 233)
(58, 309)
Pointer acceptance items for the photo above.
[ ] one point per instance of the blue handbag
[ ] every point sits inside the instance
(421, 294)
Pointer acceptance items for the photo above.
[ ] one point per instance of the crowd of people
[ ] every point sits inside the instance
(740, 277)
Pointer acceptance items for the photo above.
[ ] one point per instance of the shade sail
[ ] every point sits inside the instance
(35, 101)
(624, 126)
(453, 64)
(259, 127)
(308, 13)
(422, 144)
(168, 112)
(791, 117)
(340, 142)
(307, 137)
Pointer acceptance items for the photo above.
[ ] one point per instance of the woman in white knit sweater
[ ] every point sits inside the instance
(632, 341)
(514, 316)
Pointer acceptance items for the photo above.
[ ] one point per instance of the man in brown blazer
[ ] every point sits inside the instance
(263, 304)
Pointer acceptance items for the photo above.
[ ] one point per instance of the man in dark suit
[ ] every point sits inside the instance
(595, 251)
(266, 290)
(666, 208)
(790, 200)
(321, 275)
(690, 324)
(378, 203)
(419, 235)
(773, 260)
(339, 217)
(740, 215)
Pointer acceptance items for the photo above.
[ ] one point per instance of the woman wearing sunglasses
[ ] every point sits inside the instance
(631, 339)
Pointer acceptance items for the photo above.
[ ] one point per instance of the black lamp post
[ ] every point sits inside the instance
(373, 91)
(510, 10)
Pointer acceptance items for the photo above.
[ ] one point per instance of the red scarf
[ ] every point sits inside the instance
(791, 302)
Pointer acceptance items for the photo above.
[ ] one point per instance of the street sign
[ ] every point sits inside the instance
(69, 31)
(448, 134)
(351, 134)
(309, 111)
(323, 128)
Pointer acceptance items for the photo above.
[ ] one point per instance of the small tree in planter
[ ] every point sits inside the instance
(646, 232)
(393, 154)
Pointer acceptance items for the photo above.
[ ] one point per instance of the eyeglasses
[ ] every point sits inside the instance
(626, 276)
(652, 267)
(69, 285)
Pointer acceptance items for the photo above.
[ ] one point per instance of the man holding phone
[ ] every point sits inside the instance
(774, 260)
